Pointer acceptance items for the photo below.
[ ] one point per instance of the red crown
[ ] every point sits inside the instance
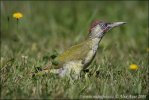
(94, 23)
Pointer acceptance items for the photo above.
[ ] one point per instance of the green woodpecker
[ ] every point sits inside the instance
(79, 57)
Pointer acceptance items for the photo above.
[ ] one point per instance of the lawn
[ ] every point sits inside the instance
(48, 28)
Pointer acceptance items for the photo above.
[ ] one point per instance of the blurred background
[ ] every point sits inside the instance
(49, 26)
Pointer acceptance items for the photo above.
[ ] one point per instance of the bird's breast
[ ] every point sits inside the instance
(89, 57)
(91, 54)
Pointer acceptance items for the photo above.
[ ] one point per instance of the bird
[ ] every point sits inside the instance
(78, 57)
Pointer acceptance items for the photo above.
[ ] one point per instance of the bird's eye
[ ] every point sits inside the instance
(103, 26)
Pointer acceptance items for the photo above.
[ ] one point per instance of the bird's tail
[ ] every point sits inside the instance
(46, 70)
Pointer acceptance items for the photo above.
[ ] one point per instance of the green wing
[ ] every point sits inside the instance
(77, 52)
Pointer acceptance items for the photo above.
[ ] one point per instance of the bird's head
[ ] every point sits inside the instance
(99, 28)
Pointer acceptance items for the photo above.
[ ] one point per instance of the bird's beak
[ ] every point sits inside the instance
(115, 24)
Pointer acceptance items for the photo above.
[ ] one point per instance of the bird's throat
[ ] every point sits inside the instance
(95, 43)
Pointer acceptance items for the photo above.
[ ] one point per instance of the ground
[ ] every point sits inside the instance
(48, 28)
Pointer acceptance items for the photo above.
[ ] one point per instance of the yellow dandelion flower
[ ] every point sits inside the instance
(147, 49)
(17, 15)
(133, 67)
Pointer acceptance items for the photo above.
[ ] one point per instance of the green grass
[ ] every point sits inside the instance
(55, 26)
